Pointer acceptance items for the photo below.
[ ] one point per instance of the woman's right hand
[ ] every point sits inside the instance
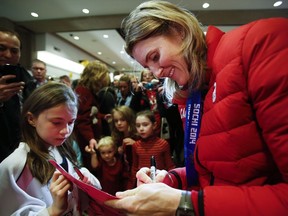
(143, 176)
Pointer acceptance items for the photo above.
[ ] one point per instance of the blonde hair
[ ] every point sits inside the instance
(106, 141)
(154, 18)
(95, 76)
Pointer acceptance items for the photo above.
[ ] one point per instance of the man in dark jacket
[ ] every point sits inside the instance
(10, 91)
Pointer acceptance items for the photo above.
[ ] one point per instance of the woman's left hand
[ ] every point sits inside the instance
(147, 199)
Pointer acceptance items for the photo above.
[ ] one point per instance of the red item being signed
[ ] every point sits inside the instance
(98, 197)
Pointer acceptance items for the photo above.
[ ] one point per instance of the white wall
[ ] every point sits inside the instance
(55, 45)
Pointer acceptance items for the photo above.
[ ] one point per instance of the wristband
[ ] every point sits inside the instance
(185, 207)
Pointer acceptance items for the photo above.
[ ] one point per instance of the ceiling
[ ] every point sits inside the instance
(65, 19)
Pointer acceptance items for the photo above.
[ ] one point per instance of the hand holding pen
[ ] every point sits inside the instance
(147, 175)
(143, 176)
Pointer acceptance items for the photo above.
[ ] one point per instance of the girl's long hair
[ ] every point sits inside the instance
(45, 97)
(129, 115)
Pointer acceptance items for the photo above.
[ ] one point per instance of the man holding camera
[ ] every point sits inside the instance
(11, 87)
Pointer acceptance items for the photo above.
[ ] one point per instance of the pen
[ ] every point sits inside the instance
(153, 169)
(81, 176)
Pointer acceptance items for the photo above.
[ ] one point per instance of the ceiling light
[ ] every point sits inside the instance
(113, 62)
(122, 52)
(86, 11)
(34, 14)
(60, 62)
(206, 5)
(277, 3)
(76, 37)
(105, 36)
(99, 53)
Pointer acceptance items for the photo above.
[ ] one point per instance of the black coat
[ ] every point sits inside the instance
(9, 121)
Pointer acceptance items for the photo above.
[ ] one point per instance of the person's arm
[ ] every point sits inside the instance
(94, 160)
(167, 156)
(94, 157)
(135, 160)
(83, 124)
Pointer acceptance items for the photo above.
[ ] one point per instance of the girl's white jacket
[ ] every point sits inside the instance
(30, 197)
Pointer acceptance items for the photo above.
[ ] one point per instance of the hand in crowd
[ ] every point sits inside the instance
(9, 90)
(59, 190)
(91, 147)
(163, 200)
(143, 176)
(108, 118)
(120, 150)
(128, 141)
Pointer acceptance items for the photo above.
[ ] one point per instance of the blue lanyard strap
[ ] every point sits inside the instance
(192, 129)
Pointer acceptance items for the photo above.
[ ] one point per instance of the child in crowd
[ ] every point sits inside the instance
(111, 170)
(147, 95)
(124, 132)
(148, 145)
(29, 183)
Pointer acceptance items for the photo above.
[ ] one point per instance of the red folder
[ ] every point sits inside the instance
(98, 197)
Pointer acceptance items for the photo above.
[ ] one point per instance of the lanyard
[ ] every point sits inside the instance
(192, 128)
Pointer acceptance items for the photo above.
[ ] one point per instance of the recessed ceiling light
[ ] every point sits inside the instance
(99, 53)
(76, 37)
(206, 5)
(86, 11)
(105, 36)
(34, 14)
(113, 62)
(277, 3)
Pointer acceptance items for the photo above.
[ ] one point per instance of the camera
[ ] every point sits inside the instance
(11, 70)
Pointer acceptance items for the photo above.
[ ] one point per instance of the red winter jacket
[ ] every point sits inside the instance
(84, 128)
(242, 151)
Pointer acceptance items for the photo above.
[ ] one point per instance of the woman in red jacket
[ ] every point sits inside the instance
(241, 155)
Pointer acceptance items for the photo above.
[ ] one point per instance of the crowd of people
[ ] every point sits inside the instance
(212, 117)
(97, 133)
